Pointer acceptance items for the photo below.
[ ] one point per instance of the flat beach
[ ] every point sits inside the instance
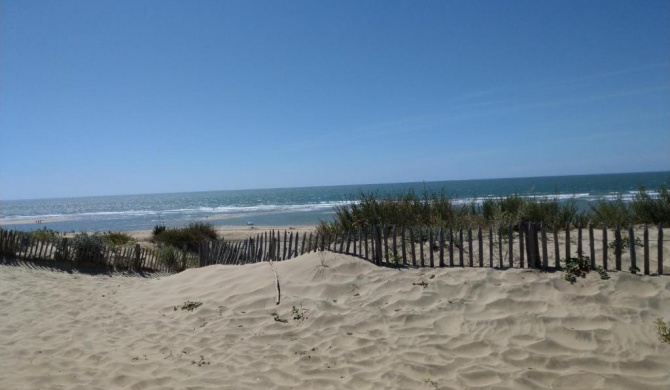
(342, 323)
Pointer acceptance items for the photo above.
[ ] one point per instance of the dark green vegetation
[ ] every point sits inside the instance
(438, 210)
(578, 267)
(188, 237)
(663, 330)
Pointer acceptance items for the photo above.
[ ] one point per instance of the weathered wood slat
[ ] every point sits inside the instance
(470, 250)
(605, 247)
(491, 246)
(451, 247)
(567, 242)
(411, 246)
(510, 238)
(617, 248)
(633, 255)
(404, 246)
(522, 250)
(395, 244)
(430, 249)
(646, 250)
(545, 252)
(441, 239)
(592, 246)
(461, 260)
(660, 250)
(480, 241)
(422, 258)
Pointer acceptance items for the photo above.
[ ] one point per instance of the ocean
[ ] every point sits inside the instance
(293, 206)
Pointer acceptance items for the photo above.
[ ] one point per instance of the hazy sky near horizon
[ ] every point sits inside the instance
(127, 97)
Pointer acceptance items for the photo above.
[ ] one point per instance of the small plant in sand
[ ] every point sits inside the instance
(430, 382)
(663, 330)
(276, 317)
(188, 306)
(625, 243)
(201, 362)
(299, 313)
(395, 259)
(580, 266)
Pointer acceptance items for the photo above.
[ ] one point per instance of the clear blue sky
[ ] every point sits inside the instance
(125, 97)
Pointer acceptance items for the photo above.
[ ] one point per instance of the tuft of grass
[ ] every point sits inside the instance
(189, 236)
(188, 306)
(663, 330)
(299, 313)
(118, 238)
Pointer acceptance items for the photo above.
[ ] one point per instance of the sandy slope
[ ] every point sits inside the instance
(364, 328)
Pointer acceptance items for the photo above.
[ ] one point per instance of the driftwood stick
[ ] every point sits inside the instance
(276, 281)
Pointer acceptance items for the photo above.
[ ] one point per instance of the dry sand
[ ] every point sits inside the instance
(362, 327)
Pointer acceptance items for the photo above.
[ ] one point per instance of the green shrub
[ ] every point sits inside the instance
(648, 209)
(118, 238)
(88, 247)
(158, 229)
(189, 236)
(47, 235)
(169, 256)
(611, 213)
(663, 330)
(580, 266)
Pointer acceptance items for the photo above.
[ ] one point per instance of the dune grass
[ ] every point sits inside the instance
(438, 210)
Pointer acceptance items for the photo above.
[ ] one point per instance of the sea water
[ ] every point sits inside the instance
(294, 206)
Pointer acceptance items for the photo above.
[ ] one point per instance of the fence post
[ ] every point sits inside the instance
(461, 262)
(646, 250)
(136, 266)
(471, 257)
(523, 233)
(378, 244)
(592, 248)
(423, 260)
(660, 250)
(633, 257)
(617, 248)
(480, 238)
(430, 250)
(411, 246)
(441, 239)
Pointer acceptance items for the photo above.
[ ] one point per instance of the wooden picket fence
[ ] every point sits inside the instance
(524, 246)
(528, 245)
(63, 252)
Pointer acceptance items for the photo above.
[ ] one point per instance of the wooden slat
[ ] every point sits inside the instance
(395, 243)
(605, 248)
(617, 248)
(430, 249)
(441, 239)
(521, 245)
(471, 254)
(646, 250)
(451, 247)
(386, 244)
(592, 247)
(461, 261)
(545, 252)
(480, 241)
(557, 254)
(500, 250)
(423, 260)
(660, 250)
(404, 246)
(491, 246)
(633, 255)
(580, 251)
(510, 238)
(411, 245)
(568, 253)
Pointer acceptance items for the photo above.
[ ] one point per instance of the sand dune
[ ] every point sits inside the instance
(356, 326)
